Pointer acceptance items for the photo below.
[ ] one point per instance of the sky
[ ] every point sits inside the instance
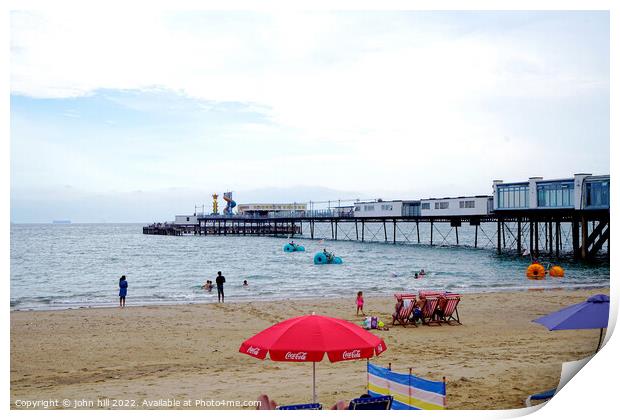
(139, 116)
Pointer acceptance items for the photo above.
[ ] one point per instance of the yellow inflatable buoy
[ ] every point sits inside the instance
(556, 271)
(535, 272)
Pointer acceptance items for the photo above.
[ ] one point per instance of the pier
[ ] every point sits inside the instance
(554, 233)
(228, 225)
(537, 217)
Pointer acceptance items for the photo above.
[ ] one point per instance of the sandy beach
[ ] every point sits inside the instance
(190, 352)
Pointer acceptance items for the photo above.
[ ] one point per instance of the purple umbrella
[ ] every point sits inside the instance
(590, 314)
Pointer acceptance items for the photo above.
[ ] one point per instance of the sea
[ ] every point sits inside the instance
(60, 266)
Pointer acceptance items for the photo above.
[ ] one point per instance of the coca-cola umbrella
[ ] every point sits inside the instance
(307, 338)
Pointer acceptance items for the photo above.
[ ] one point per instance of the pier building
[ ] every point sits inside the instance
(271, 209)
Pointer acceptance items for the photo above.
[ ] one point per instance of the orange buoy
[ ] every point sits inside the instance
(556, 271)
(535, 272)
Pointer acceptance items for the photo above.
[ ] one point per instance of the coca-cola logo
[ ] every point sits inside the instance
(380, 348)
(302, 355)
(253, 350)
(353, 354)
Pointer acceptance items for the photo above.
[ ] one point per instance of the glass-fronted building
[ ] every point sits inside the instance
(581, 192)
(596, 194)
(513, 196)
(556, 194)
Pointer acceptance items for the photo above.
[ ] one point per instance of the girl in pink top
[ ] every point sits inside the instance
(360, 304)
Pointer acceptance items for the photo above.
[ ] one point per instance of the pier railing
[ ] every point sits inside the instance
(329, 213)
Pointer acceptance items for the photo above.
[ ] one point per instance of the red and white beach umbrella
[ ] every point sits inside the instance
(308, 338)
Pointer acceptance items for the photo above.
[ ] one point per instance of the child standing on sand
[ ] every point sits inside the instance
(122, 292)
(360, 303)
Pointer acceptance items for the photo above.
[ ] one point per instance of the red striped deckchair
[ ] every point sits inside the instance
(424, 293)
(448, 304)
(403, 310)
(428, 310)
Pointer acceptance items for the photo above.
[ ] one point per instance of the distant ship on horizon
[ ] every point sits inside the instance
(61, 222)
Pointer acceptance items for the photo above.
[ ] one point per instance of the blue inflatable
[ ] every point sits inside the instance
(321, 258)
(293, 248)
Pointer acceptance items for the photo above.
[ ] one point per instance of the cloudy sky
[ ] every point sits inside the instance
(135, 117)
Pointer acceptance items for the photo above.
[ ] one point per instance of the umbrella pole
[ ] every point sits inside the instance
(600, 340)
(314, 382)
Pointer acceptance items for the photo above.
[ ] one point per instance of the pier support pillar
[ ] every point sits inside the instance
(531, 237)
(456, 231)
(357, 236)
(336, 229)
(431, 233)
(536, 238)
(384, 231)
(499, 236)
(558, 239)
(550, 232)
(363, 231)
(584, 238)
(519, 236)
(394, 232)
(575, 234)
(417, 229)
(476, 238)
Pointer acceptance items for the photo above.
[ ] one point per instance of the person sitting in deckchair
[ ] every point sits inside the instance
(416, 315)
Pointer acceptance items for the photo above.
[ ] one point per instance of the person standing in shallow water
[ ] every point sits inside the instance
(220, 280)
(122, 285)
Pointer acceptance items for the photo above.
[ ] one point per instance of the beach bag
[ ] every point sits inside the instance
(366, 323)
(371, 322)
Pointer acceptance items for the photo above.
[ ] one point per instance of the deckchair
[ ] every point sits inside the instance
(448, 305)
(403, 310)
(425, 293)
(543, 396)
(383, 402)
(428, 310)
(313, 406)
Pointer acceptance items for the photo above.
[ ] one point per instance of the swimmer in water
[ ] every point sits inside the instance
(208, 286)
(415, 275)
(245, 283)
(422, 272)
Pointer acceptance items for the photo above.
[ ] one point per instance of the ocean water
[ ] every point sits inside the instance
(78, 265)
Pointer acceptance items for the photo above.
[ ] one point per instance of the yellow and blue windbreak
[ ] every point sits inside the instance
(409, 392)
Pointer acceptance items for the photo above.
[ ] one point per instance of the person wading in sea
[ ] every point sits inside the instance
(220, 280)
